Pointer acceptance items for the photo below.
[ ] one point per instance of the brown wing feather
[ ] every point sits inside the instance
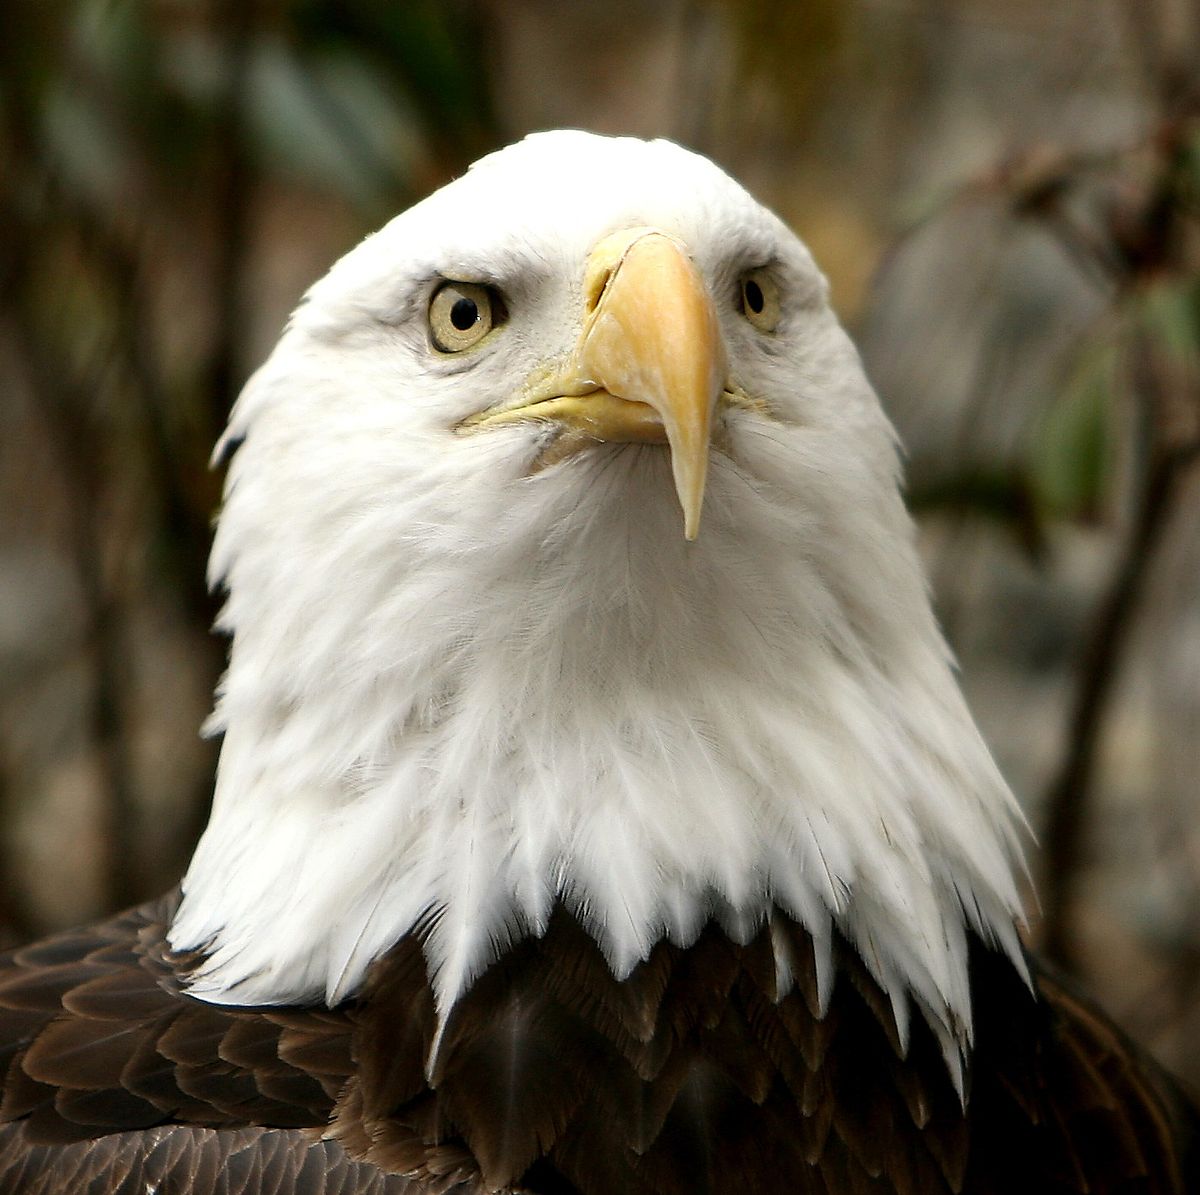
(197, 1161)
(1150, 1121)
(100, 1037)
(1062, 1102)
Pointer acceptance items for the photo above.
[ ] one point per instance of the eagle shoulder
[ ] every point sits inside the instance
(97, 1036)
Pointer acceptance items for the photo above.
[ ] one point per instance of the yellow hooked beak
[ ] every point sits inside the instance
(649, 366)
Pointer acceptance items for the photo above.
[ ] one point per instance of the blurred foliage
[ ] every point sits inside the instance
(433, 52)
(1131, 221)
(1114, 438)
(793, 47)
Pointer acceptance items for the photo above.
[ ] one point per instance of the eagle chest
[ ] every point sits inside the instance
(698, 1072)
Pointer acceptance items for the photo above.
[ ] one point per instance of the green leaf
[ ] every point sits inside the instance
(1071, 453)
(1169, 312)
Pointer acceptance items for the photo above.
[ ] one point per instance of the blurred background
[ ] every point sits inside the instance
(1004, 193)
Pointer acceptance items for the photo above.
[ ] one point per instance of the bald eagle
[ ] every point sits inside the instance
(597, 811)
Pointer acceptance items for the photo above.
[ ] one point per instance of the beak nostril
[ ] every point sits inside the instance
(597, 289)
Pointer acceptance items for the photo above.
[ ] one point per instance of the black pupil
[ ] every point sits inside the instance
(464, 313)
(754, 296)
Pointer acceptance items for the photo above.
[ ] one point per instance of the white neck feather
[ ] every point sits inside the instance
(452, 713)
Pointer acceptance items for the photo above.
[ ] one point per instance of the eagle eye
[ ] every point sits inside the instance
(758, 300)
(461, 314)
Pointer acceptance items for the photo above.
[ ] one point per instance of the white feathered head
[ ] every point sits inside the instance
(566, 561)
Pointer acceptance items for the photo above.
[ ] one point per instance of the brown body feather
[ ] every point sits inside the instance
(693, 1075)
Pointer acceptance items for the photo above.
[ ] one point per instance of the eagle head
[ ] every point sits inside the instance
(566, 562)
